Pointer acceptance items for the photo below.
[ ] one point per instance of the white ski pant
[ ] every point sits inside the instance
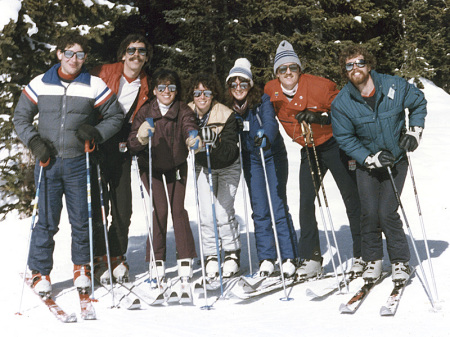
(225, 183)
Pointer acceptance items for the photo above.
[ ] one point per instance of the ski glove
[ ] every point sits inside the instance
(194, 143)
(381, 159)
(209, 136)
(262, 142)
(239, 123)
(411, 139)
(313, 117)
(142, 134)
(42, 149)
(89, 132)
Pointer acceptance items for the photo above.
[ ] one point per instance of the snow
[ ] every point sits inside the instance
(268, 315)
(10, 11)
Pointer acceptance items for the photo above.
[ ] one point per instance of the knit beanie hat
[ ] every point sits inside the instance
(241, 68)
(285, 54)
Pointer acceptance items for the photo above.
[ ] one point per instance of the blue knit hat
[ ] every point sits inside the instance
(241, 68)
(285, 54)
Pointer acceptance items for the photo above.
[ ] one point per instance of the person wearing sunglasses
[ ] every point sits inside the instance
(128, 79)
(254, 112)
(170, 143)
(369, 123)
(218, 129)
(68, 101)
(302, 103)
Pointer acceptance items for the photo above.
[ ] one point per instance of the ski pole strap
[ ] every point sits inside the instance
(44, 164)
(89, 146)
(193, 134)
(152, 124)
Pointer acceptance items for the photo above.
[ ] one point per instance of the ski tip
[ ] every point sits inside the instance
(344, 309)
(384, 311)
(310, 293)
(72, 318)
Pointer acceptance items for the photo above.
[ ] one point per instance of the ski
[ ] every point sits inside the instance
(324, 292)
(355, 302)
(54, 308)
(148, 292)
(390, 308)
(185, 293)
(123, 298)
(87, 308)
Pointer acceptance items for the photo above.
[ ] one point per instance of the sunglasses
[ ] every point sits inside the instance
(69, 54)
(294, 68)
(198, 93)
(171, 87)
(142, 51)
(243, 85)
(359, 64)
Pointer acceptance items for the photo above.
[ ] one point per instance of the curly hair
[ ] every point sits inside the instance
(130, 39)
(354, 51)
(70, 39)
(254, 94)
(209, 81)
(163, 75)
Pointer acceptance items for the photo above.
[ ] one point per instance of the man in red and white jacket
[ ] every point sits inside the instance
(302, 103)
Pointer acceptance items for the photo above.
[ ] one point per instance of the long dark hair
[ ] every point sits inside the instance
(167, 75)
(253, 96)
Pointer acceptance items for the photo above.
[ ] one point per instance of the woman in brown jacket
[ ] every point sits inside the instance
(173, 120)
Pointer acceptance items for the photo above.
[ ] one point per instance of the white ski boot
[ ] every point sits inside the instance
(120, 270)
(266, 268)
(231, 263)
(41, 283)
(288, 268)
(212, 266)
(158, 273)
(400, 272)
(82, 277)
(373, 270)
(357, 267)
(185, 268)
(309, 269)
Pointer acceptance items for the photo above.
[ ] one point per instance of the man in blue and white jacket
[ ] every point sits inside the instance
(68, 101)
(368, 118)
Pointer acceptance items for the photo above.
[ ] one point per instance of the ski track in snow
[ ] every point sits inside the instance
(266, 315)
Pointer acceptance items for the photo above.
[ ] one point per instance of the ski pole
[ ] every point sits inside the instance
(422, 225)
(216, 233)
(397, 195)
(105, 231)
(329, 214)
(244, 192)
(260, 133)
(33, 218)
(89, 146)
(193, 134)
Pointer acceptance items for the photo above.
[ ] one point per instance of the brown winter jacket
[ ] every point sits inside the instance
(169, 148)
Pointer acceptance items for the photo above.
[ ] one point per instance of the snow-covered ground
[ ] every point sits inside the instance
(267, 315)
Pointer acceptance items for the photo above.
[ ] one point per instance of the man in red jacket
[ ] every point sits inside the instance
(128, 79)
(302, 103)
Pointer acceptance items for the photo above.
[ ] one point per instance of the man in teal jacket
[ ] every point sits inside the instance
(368, 118)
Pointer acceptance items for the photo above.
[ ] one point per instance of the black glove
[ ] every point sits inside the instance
(89, 132)
(381, 159)
(42, 149)
(313, 117)
(239, 123)
(410, 140)
(262, 141)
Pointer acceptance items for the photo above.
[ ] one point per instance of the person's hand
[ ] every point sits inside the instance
(142, 134)
(262, 141)
(239, 123)
(42, 149)
(411, 139)
(89, 132)
(208, 135)
(381, 159)
(194, 143)
(313, 117)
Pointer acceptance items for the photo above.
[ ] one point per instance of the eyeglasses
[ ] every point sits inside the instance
(198, 93)
(171, 87)
(294, 68)
(360, 64)
(69, 54)
(142, 51)
(243, 85)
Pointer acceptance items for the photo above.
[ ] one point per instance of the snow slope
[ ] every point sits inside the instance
(266, 315)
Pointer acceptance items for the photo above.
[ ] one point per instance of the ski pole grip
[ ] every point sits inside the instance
(260, 134)
(44, 164)
(89, 146)
(152, 124)
(193, 134)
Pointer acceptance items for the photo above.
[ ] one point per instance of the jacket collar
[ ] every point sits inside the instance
(355, 94)
(51, 76)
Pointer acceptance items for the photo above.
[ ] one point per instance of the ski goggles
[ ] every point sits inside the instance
(69, 54)
(198, 93)
(142, 51)
(171, 87)
(294, 68)
(360, 64)
(242, 85)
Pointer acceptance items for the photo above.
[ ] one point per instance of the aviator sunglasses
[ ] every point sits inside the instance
(294, 68)
(142, 51)
(171, 87)
(243, 85)
(359, 64)
(69, 54)
(198, 93)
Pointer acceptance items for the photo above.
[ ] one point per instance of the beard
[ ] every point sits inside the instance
(358, 80)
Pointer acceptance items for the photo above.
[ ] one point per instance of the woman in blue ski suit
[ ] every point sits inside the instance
(253, 114)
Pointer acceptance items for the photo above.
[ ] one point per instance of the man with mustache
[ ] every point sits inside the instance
(128, 79)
